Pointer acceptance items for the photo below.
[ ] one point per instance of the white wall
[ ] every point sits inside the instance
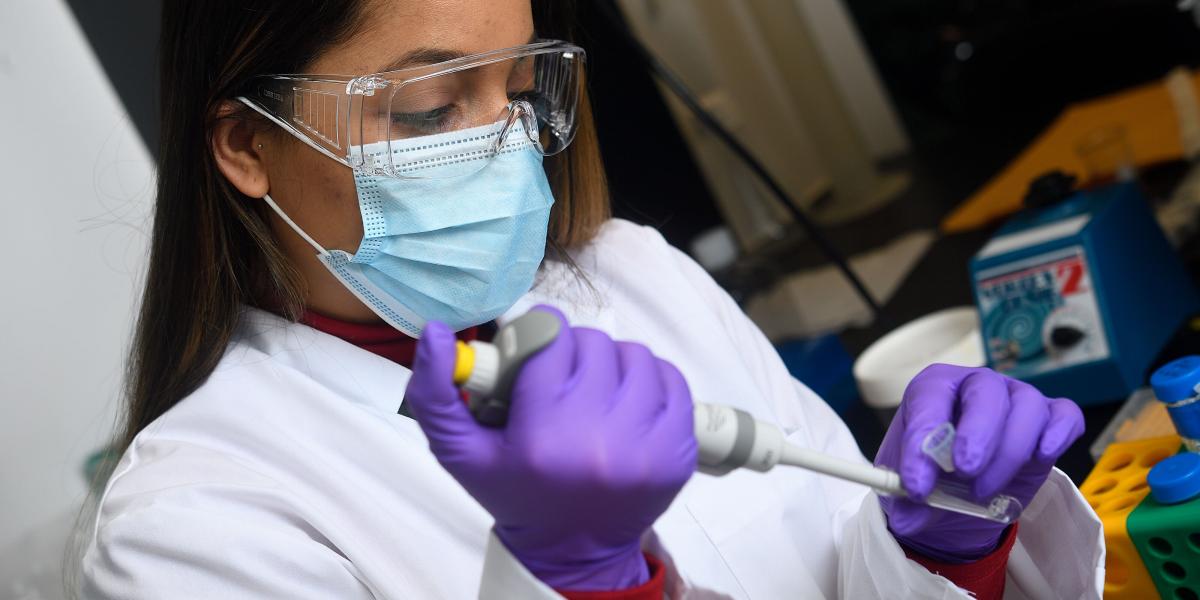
(75, 189)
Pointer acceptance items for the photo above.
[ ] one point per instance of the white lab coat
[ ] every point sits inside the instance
(288, 474)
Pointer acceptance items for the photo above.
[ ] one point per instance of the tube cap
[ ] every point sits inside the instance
(1176, 478)
(1177, 379)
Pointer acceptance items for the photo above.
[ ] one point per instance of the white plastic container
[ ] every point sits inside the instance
(883, 370)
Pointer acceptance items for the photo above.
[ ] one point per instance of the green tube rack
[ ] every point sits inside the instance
(1167, 536)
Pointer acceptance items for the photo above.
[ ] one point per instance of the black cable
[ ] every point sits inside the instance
(680, 89)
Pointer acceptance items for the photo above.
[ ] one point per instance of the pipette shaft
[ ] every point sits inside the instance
(729, 438)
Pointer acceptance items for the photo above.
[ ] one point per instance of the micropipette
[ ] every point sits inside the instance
(727, 438)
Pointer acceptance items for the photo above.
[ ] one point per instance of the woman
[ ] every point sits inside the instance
(310, 226)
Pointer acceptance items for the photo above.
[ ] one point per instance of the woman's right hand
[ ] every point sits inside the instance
(599, 441)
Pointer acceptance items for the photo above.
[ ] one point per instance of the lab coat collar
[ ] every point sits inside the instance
(353, 373)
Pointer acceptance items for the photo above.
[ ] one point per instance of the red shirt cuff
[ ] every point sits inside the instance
(653, 589)
(984, 577)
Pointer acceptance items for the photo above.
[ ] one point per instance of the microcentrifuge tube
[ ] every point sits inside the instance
(939, 445)
(957, 496)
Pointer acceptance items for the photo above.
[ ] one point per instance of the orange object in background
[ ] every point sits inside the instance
(1151, 125)
(1113, 489)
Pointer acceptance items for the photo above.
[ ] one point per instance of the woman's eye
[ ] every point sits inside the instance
(424, 121)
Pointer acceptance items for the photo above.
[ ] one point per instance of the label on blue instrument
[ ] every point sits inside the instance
(1040, 314)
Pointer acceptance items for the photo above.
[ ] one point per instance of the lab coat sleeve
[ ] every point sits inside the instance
(1060, 546)
(505, 577)
(235, 535)
(1059, 552)
(228, 532)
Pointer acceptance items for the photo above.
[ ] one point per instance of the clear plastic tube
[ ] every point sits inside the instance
(939, 445)
(1185, 415)
(956, 496)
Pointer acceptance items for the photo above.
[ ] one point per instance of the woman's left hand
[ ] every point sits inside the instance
(1008, 437)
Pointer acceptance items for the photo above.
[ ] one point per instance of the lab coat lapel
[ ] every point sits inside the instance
(353, 373)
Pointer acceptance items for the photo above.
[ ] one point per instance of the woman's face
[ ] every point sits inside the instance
(317, 192)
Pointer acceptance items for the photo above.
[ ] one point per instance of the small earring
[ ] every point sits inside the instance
(260, 146)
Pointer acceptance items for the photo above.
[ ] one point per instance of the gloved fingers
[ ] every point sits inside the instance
(1020, 435)
(984, 405)
(535, 389)
(677, 419)
(433, 399)
(928, 401)
(675, 428)
(597, 372)
(1065, 426)
(907, 518)
(640, 396)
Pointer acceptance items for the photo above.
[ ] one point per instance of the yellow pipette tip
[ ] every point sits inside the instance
(464, 362)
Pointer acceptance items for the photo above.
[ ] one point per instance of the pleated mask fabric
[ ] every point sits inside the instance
(457, 248)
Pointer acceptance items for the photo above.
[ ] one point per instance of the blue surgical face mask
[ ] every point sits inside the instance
(460, 249)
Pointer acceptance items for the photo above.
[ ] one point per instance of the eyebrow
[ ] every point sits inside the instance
(429, 56)
(422, 56)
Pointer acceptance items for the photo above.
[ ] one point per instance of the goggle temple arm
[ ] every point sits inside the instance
(357, 90)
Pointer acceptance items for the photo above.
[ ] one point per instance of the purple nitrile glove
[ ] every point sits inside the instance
(1008, 437)
(599, 441)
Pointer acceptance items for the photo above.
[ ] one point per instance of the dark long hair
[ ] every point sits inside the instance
(212, 250)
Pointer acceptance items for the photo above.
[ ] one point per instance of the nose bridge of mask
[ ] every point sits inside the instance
(501, 191)
(400, 206)
(450, 154)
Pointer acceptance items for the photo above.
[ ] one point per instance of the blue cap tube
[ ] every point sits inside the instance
(1175, 479)
(1177, 379)
(1174, 383)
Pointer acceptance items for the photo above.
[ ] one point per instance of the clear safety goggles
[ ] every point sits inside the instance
(459, 112)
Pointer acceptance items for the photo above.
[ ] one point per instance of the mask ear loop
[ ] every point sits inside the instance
(279, 211)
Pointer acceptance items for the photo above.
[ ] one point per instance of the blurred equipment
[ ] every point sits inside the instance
(824, 365)
(1106, 155)
(1141, 417)
(1192, 5)
(715, 249)
(794, 81)
(1079, 293)
(705, 117)
(788, 310)
(1159, 121)
(1179, 216)
(884, 369)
